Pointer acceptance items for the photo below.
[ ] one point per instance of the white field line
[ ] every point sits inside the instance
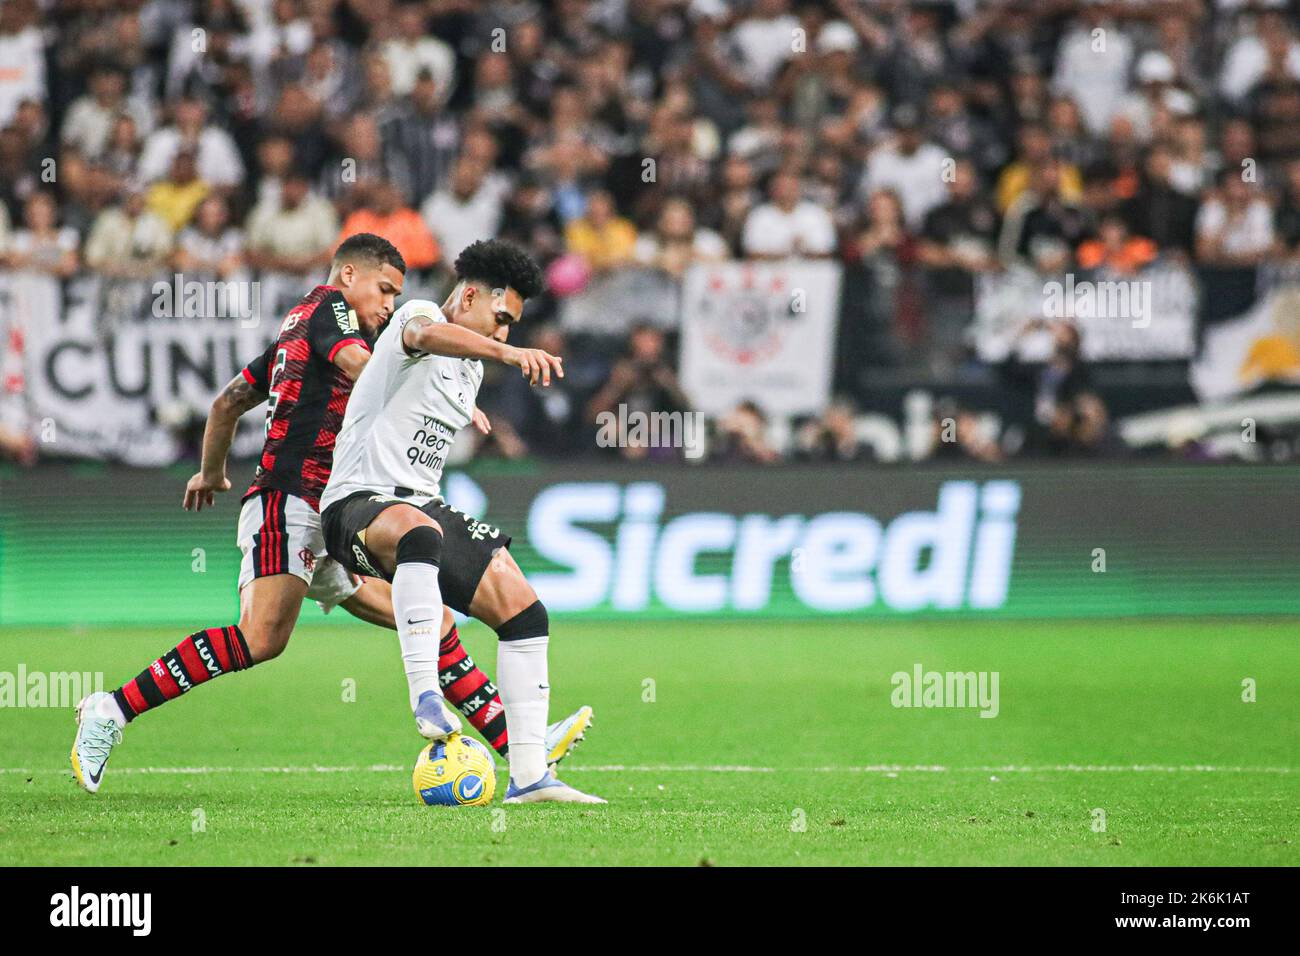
(886, 769)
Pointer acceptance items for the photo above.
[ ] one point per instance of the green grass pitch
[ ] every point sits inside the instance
(739, 742)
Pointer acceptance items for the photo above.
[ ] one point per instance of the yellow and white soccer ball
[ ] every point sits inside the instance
(456, 772)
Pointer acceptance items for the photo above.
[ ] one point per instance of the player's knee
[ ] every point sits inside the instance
(532, 621)
(266, 641)
(421, 545)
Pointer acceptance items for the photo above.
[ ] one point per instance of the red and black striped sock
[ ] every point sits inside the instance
(471, 691)
(199, 658)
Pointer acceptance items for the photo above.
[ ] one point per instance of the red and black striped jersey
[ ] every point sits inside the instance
(308, 394)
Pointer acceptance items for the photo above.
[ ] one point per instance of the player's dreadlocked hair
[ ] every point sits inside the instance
(369, 249)
(499, 264)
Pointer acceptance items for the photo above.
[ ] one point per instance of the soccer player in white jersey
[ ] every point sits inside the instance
(383, 516)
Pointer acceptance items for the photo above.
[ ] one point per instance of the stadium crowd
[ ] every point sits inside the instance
(926, 144)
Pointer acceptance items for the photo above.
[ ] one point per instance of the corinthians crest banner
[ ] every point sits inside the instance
(760, 330)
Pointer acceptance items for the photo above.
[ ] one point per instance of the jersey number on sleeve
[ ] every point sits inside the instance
(273, 397)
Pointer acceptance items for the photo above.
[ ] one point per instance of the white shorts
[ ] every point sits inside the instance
(280, 533)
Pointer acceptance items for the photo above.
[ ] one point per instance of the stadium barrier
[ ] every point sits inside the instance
(94, 544)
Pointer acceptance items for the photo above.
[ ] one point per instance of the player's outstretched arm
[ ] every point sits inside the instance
(454, 341)
(235, 399)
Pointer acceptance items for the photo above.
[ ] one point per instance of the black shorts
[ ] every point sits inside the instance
(467, 543)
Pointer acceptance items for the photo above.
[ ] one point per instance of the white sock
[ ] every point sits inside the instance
(526, 693)
(107, 707)
(417, 607)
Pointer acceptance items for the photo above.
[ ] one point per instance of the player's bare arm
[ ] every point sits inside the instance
(352, 359)
(444, 338)
(238, 397)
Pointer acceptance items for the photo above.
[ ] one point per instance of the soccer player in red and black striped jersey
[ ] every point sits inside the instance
(305, 376)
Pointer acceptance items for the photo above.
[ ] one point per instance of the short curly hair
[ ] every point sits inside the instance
(499, 264)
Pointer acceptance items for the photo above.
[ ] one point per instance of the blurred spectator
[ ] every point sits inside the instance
(889, 251)
(1274, 102)
(293, 233)
(464, 211)
(275, 158)
(128, 241)
(22, 51)
(822, 87)
(530, 218)
(1067, 140)
(1235, 226)
(956, 129)
(739, 197)
(910, 166)
(1193, 163)
(175, 198)
(764, 40)
(1034, 152)
(919, 56)
(211, 246)
(546, 421)
(121, 153)
(833, 436)
(1044, 211)
(1161, 211)
(1271, 46)
(19, 170)
(327, 80)
(1115, 249)
(958, 242)
(360, 158)
(1093, 68)
(601, 236)
(412, 50)
(759, 139)
(1151, 108)
(1067, 414)
(1287, 220)
(41, 245)
(376, 98)
(741, 436)
(960, 433)
(383, 212)
(676, 242)
(644, 382)
(424, 136)
(788, 225)
(91, 120)
(217, 158)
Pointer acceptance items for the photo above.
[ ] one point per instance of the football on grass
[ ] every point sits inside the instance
(456, 772)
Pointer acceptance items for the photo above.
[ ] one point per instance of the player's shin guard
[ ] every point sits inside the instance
(417, 608)
(195, 660)
(525, 690)
(472, 692)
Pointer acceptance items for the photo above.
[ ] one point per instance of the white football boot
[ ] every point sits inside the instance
(433, 718)
(550, 789)
(96, 737)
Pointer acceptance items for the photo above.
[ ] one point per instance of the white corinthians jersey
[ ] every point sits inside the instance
(403, 414)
